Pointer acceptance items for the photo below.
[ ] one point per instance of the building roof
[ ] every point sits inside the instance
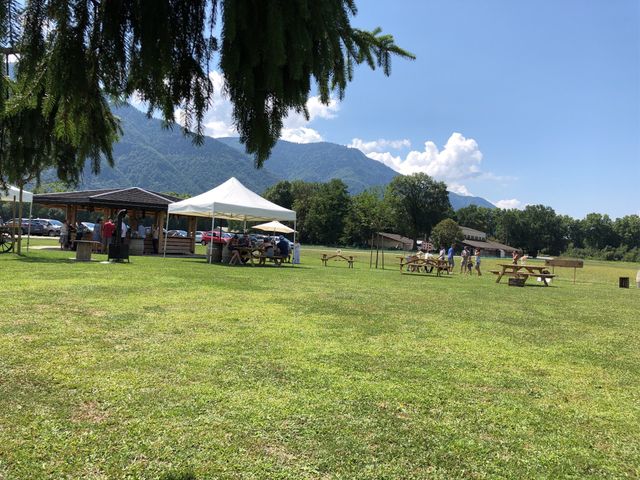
(489, 245)
(133, 197)
(466, 231)
(396, 238)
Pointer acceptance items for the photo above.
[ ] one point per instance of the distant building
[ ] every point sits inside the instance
(391, 241)
(477, 239)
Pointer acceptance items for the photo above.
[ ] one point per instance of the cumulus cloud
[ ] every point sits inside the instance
(379, 145)
(508, 204)
(296, 126)
(458, 160)
(218, 120)
(301, 135)
(459, 189)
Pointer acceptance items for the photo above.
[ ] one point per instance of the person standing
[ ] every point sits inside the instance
(97, 232)
(64, 235)
(450, 258)
(155, 236)
(465, 258)
(108, 228)
(296, 252)
(477, 252)
(142, 230)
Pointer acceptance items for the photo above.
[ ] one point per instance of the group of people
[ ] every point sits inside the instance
(467, 264)
(240, 247)
(103, 234)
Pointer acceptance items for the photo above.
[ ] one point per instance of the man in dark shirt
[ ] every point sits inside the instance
(283, 247)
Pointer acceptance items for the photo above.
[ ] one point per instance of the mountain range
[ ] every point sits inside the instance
(156, 158)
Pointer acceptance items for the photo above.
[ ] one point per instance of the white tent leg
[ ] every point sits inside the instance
(294, 240)
(164, 253)
(213, 220)
(29, 229)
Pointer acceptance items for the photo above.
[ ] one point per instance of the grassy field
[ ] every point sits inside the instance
(178, 369)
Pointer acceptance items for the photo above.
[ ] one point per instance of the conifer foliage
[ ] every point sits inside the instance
(74, 54)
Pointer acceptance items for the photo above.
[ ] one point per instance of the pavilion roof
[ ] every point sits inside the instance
(132, 197)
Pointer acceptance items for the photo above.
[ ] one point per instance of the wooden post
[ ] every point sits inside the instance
(160, 225)
(371, 252)
(191, 228)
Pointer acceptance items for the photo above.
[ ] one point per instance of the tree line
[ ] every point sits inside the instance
(414, 205)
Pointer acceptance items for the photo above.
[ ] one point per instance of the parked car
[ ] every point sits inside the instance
(89, 226)
(177, 233)
(51, 227)
(199, 236)
(214, 236)
(36, 227)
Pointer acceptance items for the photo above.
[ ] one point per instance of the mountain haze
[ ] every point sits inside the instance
(150, 156)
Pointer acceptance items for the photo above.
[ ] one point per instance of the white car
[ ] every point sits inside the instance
(199, 236)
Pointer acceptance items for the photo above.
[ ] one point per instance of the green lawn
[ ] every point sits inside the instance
(178, 369)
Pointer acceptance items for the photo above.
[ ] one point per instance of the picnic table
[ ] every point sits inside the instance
(337, 257)
(251, 254)
(523, 272)
(416, 264)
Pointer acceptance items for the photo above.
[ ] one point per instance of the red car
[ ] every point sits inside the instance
(215, 237)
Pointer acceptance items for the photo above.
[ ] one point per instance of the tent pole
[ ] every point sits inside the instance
(164, 253)
(294, 235)
(29, 231)
(213, 221)
(371, 252)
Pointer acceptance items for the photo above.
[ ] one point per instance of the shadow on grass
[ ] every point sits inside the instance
(30, 259)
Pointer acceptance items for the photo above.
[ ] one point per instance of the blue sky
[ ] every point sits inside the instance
(518, 102)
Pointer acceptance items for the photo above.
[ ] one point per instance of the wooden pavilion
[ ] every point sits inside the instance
(138, 202)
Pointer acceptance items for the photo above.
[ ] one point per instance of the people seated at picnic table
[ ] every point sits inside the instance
(267, 250)
(244, 241)
(232, 244)
(442, 253)
(283, 247)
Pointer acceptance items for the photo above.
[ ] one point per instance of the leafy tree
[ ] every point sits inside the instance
(480, 218)
(446, 232)
(328, 207)
(627, 229)
(418, 202)
(270, 54)
(281, 194)
(543, 230)
(368, 214)
(510, 228)
(598, 231)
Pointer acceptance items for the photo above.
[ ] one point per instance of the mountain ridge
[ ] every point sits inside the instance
(150, 156)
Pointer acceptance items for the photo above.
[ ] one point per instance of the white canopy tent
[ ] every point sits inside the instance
(12, 194)
(231, 201)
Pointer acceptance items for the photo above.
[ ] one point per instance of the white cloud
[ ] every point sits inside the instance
(379, 145)
(508, 204)
(460, 159)
(301, 135)
(218, 120)
(459, 189)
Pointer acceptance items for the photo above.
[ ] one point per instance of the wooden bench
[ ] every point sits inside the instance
(337, 257)
(525, 275)
(276, 259)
